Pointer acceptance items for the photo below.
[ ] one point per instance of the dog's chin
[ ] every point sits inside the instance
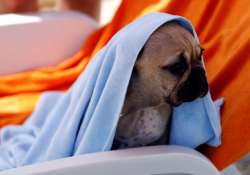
(173, 101)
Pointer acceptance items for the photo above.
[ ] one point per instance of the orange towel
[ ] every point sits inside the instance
(223, 28)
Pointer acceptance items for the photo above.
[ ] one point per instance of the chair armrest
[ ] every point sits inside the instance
(44, 39)
(156, 160)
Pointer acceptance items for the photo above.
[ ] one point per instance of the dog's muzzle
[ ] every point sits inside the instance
(195, 86)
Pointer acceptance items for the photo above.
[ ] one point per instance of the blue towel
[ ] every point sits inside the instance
(84, 119)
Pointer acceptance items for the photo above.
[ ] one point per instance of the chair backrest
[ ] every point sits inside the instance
(40, 40)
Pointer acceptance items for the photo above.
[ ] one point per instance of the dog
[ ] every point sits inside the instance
(168, 71)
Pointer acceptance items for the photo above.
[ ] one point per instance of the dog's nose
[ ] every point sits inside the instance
(195, 86)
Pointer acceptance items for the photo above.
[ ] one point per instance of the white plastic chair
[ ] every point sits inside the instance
(156, 160)
(48, 38)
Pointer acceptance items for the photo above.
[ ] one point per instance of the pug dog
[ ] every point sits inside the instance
(167, 72)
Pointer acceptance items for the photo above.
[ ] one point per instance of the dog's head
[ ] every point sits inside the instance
(167, 71)
(169, 68)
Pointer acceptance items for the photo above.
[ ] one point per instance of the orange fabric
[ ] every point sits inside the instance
(223, 28)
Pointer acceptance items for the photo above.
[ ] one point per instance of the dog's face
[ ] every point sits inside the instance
(168, 71)
(169, 68)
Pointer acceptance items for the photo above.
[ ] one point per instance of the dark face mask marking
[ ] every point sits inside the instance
(195, 86)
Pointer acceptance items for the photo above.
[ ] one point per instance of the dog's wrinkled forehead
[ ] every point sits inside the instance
(173, 41)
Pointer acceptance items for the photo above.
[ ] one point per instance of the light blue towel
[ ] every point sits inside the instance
(84, 119)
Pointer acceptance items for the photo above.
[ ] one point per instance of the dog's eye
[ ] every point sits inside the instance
(178, 68)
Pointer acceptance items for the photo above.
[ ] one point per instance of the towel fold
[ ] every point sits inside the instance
(83, 119)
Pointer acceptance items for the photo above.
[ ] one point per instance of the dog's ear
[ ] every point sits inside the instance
(200, 51)
(140, 54)
(135, 73)
(135, 69)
